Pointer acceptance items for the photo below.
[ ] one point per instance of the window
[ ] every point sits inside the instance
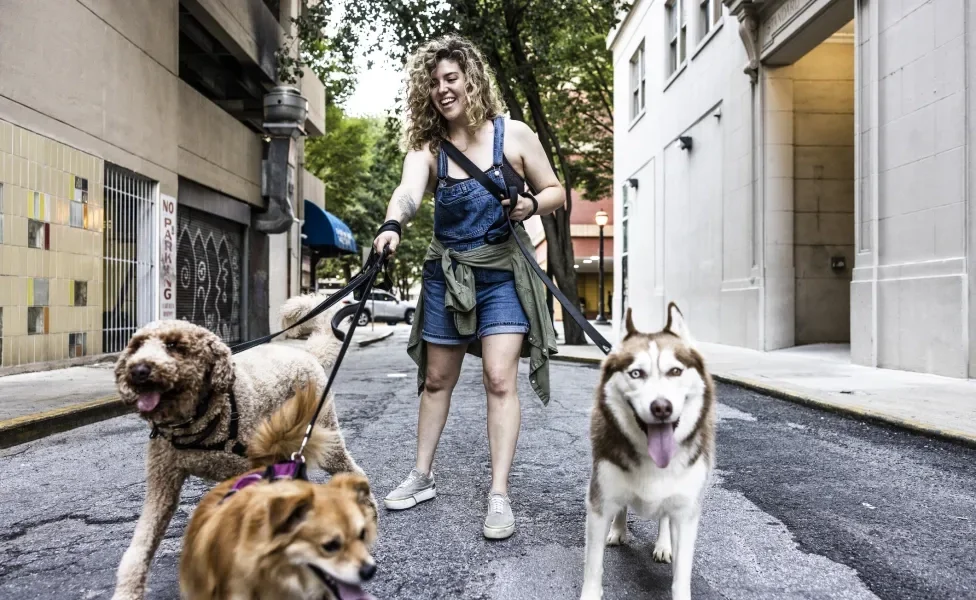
(382, 297)
(37, 301)
(38, 234)
(40, 208)
(76, 344)
(625, 250)
(637, 77)
(79, 293)
(677, 33)
(36, 320)
(79, 204)
(709, 14)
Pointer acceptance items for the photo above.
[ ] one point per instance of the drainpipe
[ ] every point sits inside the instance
(285, 111)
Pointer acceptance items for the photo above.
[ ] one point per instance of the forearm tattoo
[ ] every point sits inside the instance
(408, 208)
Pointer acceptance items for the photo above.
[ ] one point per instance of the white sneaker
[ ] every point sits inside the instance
(500, 522)
(415, 489)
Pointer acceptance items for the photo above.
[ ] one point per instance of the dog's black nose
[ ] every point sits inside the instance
(140, 372)
(367, 571)
(661, 408)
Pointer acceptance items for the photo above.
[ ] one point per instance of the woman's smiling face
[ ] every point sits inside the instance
(447, 89)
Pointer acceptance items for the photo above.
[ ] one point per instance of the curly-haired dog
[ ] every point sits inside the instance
(204, 406)
(289, 539)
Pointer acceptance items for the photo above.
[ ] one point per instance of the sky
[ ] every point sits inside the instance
(376, 88)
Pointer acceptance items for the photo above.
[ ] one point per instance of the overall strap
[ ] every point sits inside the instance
(498, 151)
(442, 164)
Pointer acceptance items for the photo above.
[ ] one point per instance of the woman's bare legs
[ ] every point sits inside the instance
(443, 370)
(500, 356)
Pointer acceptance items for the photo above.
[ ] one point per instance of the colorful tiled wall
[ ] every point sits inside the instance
(51, 202)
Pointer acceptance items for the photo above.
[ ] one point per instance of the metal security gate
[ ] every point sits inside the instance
(130, 282)
(208, 258)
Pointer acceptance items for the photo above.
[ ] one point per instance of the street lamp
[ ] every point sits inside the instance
(602, 218)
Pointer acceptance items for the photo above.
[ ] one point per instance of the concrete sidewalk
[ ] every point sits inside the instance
(823, 377)
(35, 405)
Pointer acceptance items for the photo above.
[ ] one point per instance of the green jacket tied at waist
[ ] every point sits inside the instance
(461, 300)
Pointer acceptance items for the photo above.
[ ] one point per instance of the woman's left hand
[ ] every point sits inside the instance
(524, 208)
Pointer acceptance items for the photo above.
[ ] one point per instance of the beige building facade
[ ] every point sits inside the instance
(797, 173)
(133, 172)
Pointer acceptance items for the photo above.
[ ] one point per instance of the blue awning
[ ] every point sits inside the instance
(325, 233)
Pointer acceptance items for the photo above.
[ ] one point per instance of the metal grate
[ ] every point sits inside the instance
(131, 222)
(208, 258)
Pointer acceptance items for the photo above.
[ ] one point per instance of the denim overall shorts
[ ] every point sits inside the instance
(464, 212)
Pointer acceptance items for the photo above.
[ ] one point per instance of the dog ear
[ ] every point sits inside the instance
(677, 324)
(631, 330)
(285, 513)
(222, 371)
(355, 484)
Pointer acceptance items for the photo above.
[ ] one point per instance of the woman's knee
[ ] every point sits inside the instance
(439, 380)
(500, 381)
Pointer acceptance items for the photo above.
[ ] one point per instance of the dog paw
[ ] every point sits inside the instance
(662, 555)
(616, 538)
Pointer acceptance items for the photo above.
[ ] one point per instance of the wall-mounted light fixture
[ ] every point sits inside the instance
(632, 182)
(684, 142)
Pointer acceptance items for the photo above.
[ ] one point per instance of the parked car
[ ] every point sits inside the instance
(384, 307)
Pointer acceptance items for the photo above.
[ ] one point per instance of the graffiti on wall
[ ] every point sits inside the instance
(209, 276)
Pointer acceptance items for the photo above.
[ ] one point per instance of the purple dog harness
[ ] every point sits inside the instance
(292, 469)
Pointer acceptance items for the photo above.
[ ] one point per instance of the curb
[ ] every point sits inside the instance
(28, 428)
(780, 393)
(373, 340)
(54, 365)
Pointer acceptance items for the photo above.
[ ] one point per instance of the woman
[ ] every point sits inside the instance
(479, 294)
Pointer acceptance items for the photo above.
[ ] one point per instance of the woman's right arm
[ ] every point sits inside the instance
(407, 196)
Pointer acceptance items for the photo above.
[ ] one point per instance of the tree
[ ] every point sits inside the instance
(359, 159)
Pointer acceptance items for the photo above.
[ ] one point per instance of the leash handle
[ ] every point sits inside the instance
(496, 191)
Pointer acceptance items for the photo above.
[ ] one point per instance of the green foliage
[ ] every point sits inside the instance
(359, 160)
(329, 57)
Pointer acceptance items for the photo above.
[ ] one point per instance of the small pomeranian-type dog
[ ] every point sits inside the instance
(286, 539)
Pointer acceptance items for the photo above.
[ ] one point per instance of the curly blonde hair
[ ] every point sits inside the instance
(424, 124)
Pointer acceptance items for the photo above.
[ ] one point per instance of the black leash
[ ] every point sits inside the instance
(365, 278)
(373, 266)
(512, 195)
(354, 283)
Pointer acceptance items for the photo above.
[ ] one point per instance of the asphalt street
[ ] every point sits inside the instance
(806, 504)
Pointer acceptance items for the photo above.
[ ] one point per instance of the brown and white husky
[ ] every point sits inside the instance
(652, 432)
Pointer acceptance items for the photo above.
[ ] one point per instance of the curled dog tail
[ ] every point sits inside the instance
(279, 436)
(322, 343)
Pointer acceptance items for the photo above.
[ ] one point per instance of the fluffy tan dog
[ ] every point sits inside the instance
(284, 539)
(204, 406)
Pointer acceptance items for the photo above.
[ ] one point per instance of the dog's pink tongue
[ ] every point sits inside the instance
(147, 401)
(352, 592)
(660, 443)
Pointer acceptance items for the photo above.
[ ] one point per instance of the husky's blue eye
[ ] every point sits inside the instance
(636, 373)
